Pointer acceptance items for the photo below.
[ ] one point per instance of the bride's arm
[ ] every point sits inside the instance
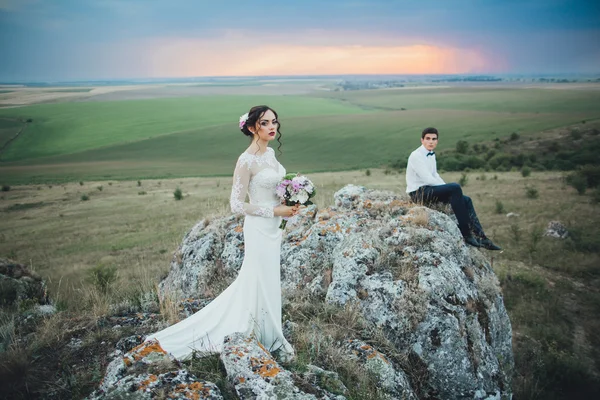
(241, 179)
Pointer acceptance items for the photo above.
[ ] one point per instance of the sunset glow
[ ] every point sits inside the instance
(198, 59)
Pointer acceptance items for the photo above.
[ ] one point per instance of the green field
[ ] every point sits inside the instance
(324, 131)
(8, 129)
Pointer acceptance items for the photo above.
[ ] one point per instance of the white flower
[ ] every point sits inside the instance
(302, 197)
(243, 120)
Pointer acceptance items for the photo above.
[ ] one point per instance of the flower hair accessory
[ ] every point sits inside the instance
(243, 120)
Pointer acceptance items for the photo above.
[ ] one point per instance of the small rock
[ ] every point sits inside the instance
(512, 215)
(557, 230)
(75, 343)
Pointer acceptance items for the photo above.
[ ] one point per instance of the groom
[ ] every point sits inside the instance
(424, 185)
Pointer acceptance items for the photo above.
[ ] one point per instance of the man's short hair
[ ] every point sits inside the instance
(429, 130)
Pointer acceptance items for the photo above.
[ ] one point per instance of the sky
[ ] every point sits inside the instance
(70, 40)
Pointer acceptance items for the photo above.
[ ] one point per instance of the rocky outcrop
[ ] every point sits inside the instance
(257, 375)
(148, 372)
(407, 270)
(19, 283)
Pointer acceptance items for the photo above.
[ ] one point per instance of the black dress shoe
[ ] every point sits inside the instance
(488, 244)
(472, 241)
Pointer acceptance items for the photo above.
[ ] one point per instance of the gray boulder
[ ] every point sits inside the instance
(405, 267)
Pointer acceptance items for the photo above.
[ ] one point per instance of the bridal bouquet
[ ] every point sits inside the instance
(295, 189)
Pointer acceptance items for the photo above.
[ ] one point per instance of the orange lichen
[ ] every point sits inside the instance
(238, 353)
(265, 367)
(194, 391)
(241, 379)
(141, 351)
(238, 229)
(145, 349)
(333, 229)
(144, 384)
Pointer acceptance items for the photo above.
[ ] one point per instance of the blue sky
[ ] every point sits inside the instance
(111, 39)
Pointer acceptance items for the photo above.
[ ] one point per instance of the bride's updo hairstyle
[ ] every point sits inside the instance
(254, 116)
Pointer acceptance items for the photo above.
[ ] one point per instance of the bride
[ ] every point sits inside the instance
(252, 303)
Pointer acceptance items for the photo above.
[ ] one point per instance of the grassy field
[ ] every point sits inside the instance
(8, 129)
(550, 286)
(198, 136)
(91, 184)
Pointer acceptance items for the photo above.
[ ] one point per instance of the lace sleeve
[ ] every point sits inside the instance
(239, 189)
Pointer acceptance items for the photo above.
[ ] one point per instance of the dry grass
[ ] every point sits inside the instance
(549, 285)
(418, 217)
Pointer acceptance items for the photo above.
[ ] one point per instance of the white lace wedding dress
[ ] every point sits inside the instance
(252, 303)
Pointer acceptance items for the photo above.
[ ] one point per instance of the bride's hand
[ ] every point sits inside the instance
(285, 211)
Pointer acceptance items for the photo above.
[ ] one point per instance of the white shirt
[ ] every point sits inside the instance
(421, 170)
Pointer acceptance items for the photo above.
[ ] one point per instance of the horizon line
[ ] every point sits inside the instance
(274, 76)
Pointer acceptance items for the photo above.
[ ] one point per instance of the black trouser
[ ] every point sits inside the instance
(461, 205)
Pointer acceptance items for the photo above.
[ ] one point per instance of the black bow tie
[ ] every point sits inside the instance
(431, 153)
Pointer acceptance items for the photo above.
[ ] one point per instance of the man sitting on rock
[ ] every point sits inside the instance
(424, 185)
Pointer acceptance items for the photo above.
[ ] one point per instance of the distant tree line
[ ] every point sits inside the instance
(362, 85)
(480, 78)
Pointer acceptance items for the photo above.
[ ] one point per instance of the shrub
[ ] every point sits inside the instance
(499, 207)
(451, 163)
(178, 194)
(102, 276)
(141, 193)
(591, 173)
(514, 136)
(462, 147)
(5, 188)
(139, 183)
(554, 147)
(531, 192)
(464, 179)
(85, 197)
(80, 183)
(525, 171)
(578, 182)
(489, 155)
(595, 196)
(576, 134)
(474, 162)
(535, 237)
(515, 230)
(99, 188)
(368, 172)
